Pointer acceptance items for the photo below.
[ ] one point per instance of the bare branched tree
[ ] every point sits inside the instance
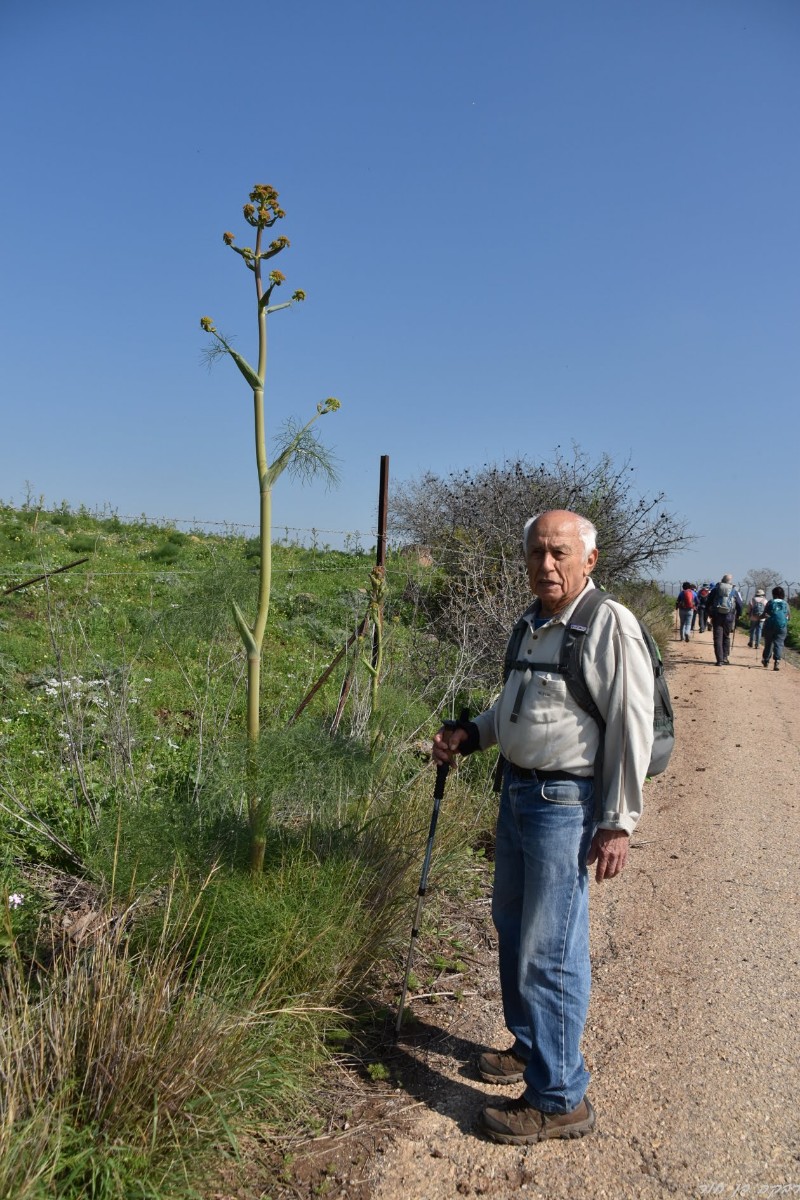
(472, 520)
(762, 577)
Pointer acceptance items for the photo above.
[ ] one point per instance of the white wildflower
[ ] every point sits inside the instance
(15, 899)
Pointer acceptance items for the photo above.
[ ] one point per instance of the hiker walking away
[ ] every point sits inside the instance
(724, 607)
(549, 827)
(755, 611)
(703, 593)
(776, 626)
(686, 605)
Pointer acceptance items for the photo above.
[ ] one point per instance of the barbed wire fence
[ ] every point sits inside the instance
(672, 587)
(352, 541)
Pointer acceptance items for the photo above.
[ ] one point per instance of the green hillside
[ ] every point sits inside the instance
(181, 997)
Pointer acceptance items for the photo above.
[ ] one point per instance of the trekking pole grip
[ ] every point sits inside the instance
(441, 778)
(461, 723)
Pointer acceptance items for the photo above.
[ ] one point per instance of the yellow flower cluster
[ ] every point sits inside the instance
(268, 210)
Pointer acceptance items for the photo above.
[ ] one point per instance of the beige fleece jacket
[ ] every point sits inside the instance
(553, 733)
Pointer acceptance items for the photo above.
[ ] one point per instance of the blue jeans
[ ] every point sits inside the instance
(540, 909)
(686, 615)
(773, 642)
(755, 633)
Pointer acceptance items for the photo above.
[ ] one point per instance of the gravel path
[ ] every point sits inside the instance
(694, 1028)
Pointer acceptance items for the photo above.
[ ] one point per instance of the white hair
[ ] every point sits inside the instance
(586, 532)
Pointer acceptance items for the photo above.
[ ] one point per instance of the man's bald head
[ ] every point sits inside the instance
(586, 530)
(560, 554)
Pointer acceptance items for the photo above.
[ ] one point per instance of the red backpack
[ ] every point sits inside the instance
(686, 599)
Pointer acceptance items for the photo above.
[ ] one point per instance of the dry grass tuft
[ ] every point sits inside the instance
(141, 1053)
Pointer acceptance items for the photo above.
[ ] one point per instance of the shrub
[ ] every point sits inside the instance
(84, 543)
(167, 552)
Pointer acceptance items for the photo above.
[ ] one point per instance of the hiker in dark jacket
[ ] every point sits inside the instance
(702, 600)
(724, 606)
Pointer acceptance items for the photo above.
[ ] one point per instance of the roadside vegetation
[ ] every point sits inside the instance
(158, 997)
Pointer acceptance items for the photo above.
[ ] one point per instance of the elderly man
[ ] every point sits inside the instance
(555, 818)
(724, 607)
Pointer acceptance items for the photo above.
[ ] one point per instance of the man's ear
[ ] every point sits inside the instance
(590, 562)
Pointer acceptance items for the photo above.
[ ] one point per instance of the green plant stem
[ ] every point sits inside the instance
(256, 808)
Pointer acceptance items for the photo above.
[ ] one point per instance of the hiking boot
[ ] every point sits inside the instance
(777, 667)
(726, 662)
(765, 662)
(518, 1123)
(501, 1066)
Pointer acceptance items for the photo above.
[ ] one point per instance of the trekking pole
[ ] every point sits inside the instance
(438, 794)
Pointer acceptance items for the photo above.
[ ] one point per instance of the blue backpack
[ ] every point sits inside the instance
(779, 615)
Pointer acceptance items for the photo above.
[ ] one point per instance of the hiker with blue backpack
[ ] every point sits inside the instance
(576, 726)
(755, 612)
(776, 626)
(724, 606)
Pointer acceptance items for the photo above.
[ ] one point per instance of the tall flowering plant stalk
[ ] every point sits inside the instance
(299, 450)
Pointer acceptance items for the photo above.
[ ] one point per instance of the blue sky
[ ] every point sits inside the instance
(519, 226)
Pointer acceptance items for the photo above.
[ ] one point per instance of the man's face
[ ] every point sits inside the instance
(558, 565)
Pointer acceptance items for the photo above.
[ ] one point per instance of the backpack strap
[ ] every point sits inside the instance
(512, 660)
(569, 661)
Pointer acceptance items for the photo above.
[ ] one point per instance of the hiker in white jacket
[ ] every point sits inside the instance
(551, 825)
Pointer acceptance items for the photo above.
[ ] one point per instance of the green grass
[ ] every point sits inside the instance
(124, 762)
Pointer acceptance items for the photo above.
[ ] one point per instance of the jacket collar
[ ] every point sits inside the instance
(563, 617)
